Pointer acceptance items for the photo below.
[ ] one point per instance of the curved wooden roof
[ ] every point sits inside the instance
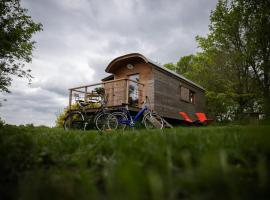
(128, 57)
(137, 57)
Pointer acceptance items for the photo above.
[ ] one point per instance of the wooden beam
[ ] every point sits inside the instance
(85, 94)
(135, 82)
(70, 99)
(91, 85)
(127, 91)
(77, 90)
(80, 87)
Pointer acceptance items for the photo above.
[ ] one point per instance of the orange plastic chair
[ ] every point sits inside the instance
(202, 118)
(185, 116)
(188, 120)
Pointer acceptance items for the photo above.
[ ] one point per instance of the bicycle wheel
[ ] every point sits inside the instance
(121, 119)
(153, 120)
(74, 121)
(89, 123)
(106, 121)
(112, 122)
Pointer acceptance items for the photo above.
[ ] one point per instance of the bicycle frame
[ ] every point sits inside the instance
(132, 121)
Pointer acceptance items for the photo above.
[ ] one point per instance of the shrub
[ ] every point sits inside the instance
(2, 122)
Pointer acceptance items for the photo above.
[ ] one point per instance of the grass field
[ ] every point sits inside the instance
(230, 162)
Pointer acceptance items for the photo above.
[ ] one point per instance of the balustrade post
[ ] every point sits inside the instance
(85, 94)
(70, 99)
(127, 91)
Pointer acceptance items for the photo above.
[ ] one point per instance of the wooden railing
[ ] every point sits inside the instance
(117, 92)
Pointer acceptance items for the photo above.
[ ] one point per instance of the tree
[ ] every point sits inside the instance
(235, 58)
(183, 66)
(256, 17)
(240, 30)
(202, 69)
(16, 46)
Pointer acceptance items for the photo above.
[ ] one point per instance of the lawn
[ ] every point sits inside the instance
(229, 162)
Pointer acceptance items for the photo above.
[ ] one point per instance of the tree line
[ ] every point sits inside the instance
(233, 63)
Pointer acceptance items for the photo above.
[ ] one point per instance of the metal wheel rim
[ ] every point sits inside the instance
(150, 119)
(69, 125)
(124, 117)
(102, 122)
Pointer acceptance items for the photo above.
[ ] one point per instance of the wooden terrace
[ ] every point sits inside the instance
(117, 92)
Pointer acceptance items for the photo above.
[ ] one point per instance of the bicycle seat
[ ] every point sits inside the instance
(82, 103)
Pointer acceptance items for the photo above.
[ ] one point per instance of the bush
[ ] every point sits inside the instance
(2, 122)
(59, 122)
(16, 157)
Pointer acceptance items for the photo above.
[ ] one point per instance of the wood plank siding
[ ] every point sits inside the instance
(116, 92)
(167, 95)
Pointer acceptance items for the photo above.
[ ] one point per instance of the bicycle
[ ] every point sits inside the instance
(150, 119)
(79, 119)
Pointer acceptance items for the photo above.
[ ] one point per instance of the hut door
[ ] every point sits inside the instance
(133, 90)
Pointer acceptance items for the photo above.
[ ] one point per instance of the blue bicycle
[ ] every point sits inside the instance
(150, 120)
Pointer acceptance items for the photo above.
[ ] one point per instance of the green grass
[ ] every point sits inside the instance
(230, 162)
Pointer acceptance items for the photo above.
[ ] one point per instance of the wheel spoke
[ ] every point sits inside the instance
(153, 120)
(121, 119)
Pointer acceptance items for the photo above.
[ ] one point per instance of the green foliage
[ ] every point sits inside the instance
(59, 122)
(185, 163)
(16, 151)
(170, 66)
(234, 64)
(221, 105)
(239, 31)
(183, 66)
(61, 117)
(2, 122)
(16, 46)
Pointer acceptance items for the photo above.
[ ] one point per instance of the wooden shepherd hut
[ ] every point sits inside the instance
(133, 77)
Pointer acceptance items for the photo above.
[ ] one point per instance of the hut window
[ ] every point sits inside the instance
(184, 93)
(187, 95)
(191, 97)
(133, 89)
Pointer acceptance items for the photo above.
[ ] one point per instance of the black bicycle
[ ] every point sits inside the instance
(81, 120)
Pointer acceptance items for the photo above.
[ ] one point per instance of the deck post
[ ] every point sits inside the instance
(85, 94)
(127, 91)
(70, 99)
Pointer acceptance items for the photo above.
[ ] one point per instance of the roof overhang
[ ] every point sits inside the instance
(162, 68)
(108, 78)
(129, 58)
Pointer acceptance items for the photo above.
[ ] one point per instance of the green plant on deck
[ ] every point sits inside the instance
(61, 117)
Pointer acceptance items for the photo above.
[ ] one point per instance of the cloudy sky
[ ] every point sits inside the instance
(81, 37)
